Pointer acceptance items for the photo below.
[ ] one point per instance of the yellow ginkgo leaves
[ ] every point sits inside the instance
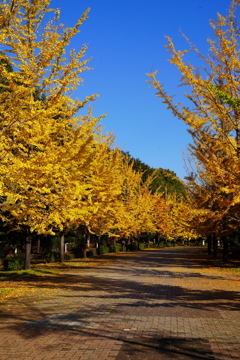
(212, 115)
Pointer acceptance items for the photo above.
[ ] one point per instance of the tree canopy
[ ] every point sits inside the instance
(164, 180)
(212, 116)
(59, 171)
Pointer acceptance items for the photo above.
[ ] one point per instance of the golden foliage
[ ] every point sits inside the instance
(212, 121)
(46, 146)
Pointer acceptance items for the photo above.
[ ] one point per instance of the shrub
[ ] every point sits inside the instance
(118, 248)
(151, 244)
(71, 239)
(132, 246)
(235, 250)
(115, 249)
(14, 263)
(50, 244)
(52, 256)
(104, 249)
(68, 256)
(141, 246)
(71, 246)
(92, 252)
(77, 252)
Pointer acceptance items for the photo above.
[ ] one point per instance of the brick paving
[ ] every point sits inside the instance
(150, 305)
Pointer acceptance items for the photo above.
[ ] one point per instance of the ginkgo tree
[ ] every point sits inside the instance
(66, 204)
(45, 144)
(181, 218)
(105, 191)
(212, 122)
(138, 204)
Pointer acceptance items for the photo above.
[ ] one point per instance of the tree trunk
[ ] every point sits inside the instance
(99, 243)
(138, 243)
(84, 243)
(28, 245)
(88, 240)
(225, 249)
(114, 245)
(158, 240)
(38, 245)
(225, 241)
(209, 240)
(128, 243)
(148, 246)
(215, 246)
(61, 259)
(84, 253)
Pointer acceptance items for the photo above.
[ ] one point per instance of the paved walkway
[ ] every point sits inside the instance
(144, 306)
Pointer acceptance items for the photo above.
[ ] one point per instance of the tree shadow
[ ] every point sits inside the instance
(107, 290)
(123, 297)
(166, 348)
(193, 257)
(159, 346)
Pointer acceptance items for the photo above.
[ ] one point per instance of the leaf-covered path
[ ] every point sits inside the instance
(161, 304)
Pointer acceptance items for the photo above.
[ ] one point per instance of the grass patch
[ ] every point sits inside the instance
(230, 269)
(25, 274)
(78, 262)
(44, 270)
(230, 266)
(58, 267)
(5, 291)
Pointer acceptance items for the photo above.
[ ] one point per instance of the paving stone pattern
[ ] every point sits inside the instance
(144, 306)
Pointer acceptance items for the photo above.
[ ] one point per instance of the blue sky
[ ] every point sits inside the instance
(126, 40)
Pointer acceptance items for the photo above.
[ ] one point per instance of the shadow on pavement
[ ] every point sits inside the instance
(105, 291)
(166, 349)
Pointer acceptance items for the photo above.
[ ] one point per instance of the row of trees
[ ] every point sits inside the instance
(164, 180)
(212, 115)
(58, 170)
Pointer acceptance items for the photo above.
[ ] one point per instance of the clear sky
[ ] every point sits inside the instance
(126, 40)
